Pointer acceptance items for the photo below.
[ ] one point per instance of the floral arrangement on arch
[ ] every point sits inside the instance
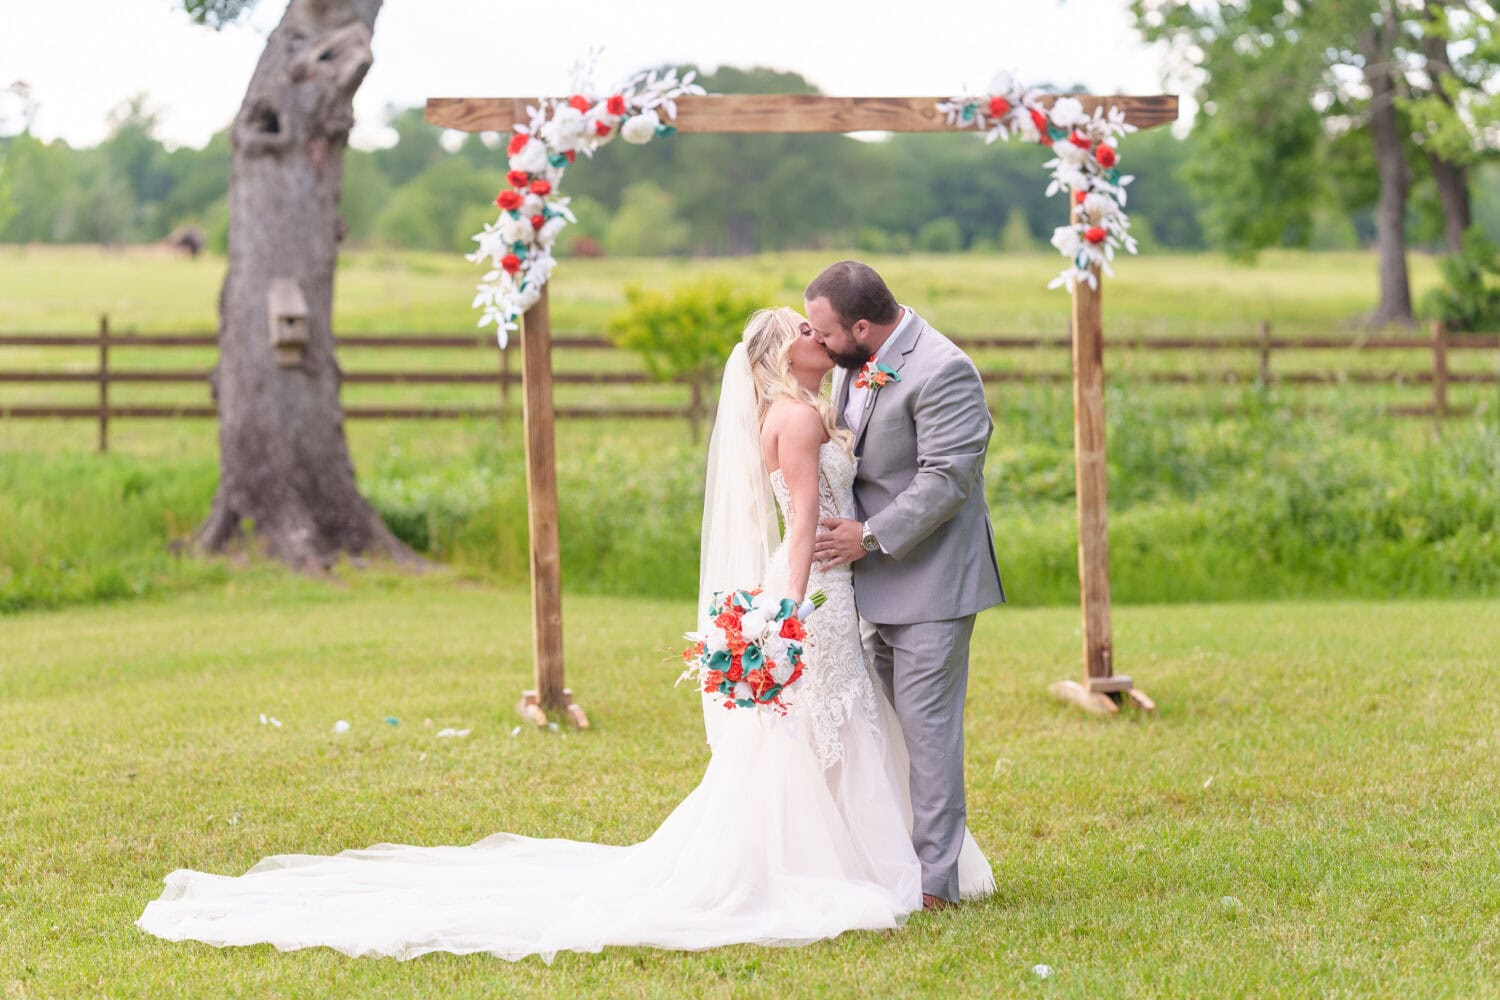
(1085, 162)
(518, 245)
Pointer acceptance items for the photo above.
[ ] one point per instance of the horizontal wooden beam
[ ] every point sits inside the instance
(786, 112)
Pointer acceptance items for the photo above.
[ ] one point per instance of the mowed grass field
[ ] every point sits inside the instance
(1311, 812)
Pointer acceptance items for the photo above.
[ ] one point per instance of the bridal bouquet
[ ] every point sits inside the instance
(751, 651)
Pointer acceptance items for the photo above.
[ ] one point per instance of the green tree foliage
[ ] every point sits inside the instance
(686, 330)
(1016, 235)
(647, 224)
(40, 177)
(1470, 298)
(417, 147)
(943, 235)
(365, 195)
(439, 209)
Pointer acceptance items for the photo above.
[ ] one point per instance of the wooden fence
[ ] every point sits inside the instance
(1435, 374)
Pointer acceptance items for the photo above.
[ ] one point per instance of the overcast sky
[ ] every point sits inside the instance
(83, 57)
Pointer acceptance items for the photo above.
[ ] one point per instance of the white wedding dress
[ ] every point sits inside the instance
(798, 831)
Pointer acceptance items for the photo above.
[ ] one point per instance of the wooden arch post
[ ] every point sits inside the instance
(802, 113)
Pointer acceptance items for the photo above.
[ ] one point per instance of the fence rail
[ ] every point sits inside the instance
(1436, 376)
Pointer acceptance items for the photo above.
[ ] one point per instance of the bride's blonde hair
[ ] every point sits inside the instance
(768, 340)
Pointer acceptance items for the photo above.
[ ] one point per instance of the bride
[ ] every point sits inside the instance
(798, 831)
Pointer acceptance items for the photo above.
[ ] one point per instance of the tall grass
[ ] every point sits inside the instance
(1259, 505)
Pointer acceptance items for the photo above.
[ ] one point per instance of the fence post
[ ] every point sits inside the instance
(695, 406)
(1264, 333)
(103, 384)
(1439, 369)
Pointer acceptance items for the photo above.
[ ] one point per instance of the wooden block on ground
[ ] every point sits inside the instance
(1076, 694)
(1112, 683)
(530, 708)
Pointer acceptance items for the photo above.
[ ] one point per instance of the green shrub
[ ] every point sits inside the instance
(1469, 298)
(686, 330)
(940, 236)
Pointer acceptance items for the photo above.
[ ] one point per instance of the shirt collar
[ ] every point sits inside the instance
(907, 319)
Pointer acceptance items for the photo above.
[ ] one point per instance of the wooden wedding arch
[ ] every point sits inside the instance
(1103, 690)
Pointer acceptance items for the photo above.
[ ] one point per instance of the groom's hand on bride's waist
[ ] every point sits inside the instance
(839, 541)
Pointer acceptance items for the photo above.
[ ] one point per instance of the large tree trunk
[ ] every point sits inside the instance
(284, 465)
(1452, 178)
(1390, 164)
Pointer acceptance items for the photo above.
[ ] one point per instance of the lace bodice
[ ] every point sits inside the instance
(835, 484)
(836, 690)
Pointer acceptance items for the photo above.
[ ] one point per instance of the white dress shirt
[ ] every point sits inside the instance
(855, 407)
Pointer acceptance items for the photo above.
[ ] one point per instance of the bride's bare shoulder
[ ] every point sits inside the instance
(794, 418)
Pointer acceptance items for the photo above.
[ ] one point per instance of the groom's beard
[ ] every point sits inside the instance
(850, 362)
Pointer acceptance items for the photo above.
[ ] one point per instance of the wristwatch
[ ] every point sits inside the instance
(867, 538)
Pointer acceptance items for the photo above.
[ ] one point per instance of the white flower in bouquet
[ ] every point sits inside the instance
(640, 129)
(1002, 83)
(742, 692)
(532, 158)
(550, 230)
(516, 230)
(1098, 207)
(755, 624)
(492, 242)
(781, 671)
(775, 647)
(532, 205)
(715, 640)
(566, 129)
(540, 270)
(1067, 241)
(1069, 153)
(1067, 112)
(528, 296)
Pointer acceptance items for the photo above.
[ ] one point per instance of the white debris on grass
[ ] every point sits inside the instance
(340, 727)
(450, 731)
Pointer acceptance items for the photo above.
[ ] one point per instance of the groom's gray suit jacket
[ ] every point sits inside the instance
(921, 443)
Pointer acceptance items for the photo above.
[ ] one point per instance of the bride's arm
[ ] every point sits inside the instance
(797, 444)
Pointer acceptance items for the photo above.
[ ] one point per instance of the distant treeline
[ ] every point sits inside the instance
(709, 194)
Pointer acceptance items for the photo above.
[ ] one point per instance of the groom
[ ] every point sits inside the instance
(923, 551)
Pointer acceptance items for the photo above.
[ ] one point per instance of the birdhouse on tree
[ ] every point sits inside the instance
(286, 312)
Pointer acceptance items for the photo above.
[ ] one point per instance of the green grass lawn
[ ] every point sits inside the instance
(1311, 812)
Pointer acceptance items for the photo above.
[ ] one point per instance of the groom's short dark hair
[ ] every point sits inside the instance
(856, 292)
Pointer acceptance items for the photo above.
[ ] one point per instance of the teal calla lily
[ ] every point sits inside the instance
(752, 658)
(720, 660)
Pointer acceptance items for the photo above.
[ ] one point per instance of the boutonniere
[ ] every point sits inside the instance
(875, 376)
